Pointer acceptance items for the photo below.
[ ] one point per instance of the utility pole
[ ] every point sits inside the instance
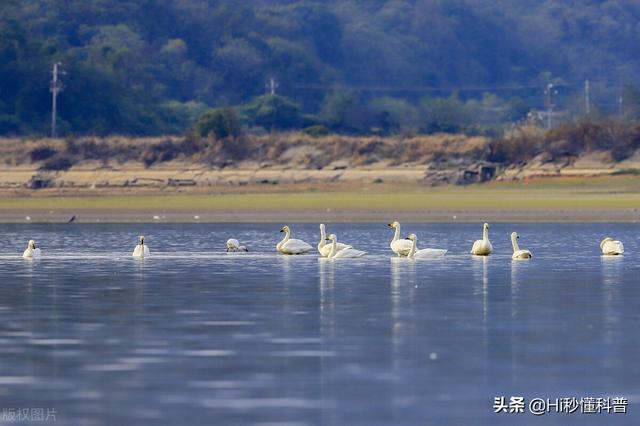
(55, 87)
(549, 93)
(620, 98)
(272, 86)
(587, 97)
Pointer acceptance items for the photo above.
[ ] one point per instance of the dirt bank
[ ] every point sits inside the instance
(159, 165)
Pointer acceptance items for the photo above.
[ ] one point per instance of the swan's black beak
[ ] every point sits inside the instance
(407, 238)
(282, 230)
(389, 225)
(327, 239)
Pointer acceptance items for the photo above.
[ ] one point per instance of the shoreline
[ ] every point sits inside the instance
(123, 216)
(562, 200)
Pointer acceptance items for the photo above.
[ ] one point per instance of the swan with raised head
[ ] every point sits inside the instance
(399, 246)
(611, 247)
(290, 245)
(32, 252)
(517, 252)
(233, 246)
(348, 252)
(325, 248)
(141, 250)
(483, 247)
(428, 253)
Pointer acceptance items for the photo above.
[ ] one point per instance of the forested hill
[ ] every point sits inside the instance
(151, 66)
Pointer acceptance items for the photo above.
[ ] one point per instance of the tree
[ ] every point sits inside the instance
(273, 112)
(219, 122)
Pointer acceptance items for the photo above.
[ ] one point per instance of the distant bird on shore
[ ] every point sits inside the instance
(517, 252)
(31, 252)
(401, 247)
(290, 245)
(483, 247)
(611, 247)
(233, 246)
(72, 219)
(141, 250)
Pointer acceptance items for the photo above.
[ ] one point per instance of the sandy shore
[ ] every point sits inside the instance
(567, 199)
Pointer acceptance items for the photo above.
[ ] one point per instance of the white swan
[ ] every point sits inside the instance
(234, 246)
(428, 253)
(31, 252)
(483, 247)
(517, 252)
(345, 253)
(289, 245)
(399, 246)
(325, 248)
(611, 247)
(141, 250)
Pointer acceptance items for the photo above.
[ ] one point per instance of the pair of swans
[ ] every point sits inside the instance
(408, 246)
(347, 252)
(325, 249)
(334, 250)
(484, 247)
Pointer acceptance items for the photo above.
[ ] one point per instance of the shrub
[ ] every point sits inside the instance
(219, 122)
(316, 131)
(57, 163)
(41, 154)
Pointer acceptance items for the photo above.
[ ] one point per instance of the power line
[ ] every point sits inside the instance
(400, 89)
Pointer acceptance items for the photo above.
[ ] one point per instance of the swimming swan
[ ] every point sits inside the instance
(31, 252)
(289, 245)
(483, 247)
(234, 246)
(428, 253)
(611, 247)
(517, 253)
(399, 246)
(141, 250)
(325, 248)
(345, 253)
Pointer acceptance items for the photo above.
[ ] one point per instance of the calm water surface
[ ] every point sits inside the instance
(193, 335)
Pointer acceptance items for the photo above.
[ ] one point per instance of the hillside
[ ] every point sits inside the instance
(392, 66)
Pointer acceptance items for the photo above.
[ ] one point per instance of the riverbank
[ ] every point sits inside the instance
(596, 199)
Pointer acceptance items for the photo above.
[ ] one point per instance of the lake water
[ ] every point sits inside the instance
(193, 335)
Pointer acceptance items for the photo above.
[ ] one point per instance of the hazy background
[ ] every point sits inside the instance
(153, 67)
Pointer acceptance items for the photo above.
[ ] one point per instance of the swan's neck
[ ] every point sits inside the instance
(396, 236)
(514, 243)
(287, 235)
(323, 238)
(485, 234)
(334, 248)
(414, 245)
